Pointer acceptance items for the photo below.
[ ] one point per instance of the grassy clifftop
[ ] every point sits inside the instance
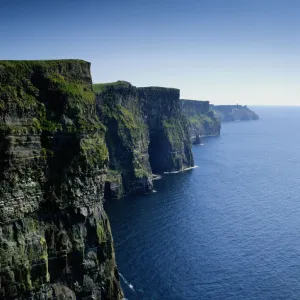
(40, 93)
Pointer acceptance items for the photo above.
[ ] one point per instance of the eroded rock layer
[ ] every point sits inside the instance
(147, 133)
(55, 239)
(170, 146)
(127, 139)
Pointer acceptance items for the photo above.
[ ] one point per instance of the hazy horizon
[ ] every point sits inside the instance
(227, 52)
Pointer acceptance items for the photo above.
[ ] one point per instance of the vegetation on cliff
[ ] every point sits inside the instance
(55, 238)
(170, 146)
(202, 121)
(127, 139)
(65, 143)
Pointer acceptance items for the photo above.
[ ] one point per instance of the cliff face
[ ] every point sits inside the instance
(55, 238)
(170, 146)
(202, 121)
(127, 139)
(146, 132)
(227, 113)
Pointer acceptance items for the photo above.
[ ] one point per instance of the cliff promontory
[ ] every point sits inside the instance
(127, 139)
(146, 133)
(170, 146)
(55, 238)
(202, 120)
(228, 113)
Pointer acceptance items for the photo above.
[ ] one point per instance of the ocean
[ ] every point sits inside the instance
(229, 229)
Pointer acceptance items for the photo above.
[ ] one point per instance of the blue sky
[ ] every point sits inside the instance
(225, 51)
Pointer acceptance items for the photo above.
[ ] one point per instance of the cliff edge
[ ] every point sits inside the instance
(146, 133)
(55, 238)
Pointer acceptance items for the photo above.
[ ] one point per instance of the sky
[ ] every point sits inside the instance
(225, 51)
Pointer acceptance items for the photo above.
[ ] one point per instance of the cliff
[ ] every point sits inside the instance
(202, 120)
(170, 146)
(127, 139)
(55, 238)
(227, 113)
(146, 134)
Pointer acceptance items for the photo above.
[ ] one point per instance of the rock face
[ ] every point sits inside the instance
(127, 139)
(146, 133)
(227, 113)
(202, 120)
(170, 146)
(55, 238)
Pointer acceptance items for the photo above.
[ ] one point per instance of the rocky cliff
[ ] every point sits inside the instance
(63, 149)
(227, 113)
(55, 238)
(127, 138)
(146, 134)
(202, 120)
(170, 146)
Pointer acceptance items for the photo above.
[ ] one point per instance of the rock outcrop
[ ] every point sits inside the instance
(147, 133)
(228, 113)
(127, 139)
(202, 120)
(170, 146)
(55, 238)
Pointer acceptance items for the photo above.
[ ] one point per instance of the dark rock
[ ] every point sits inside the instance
(127, 138)
(197, 140)
(170, 146)
(55, 239)
(146, 133)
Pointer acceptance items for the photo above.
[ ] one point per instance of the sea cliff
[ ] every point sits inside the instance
(170, 146)
(66, 146)
(202, 120)
(127, 138)
(55, 238)
(228, 113)
(147, 133)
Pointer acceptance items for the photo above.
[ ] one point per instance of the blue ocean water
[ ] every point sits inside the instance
(229, 229)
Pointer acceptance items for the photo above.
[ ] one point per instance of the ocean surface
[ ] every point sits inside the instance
(229, 229)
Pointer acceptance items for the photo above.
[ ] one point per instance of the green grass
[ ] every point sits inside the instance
(101, 87)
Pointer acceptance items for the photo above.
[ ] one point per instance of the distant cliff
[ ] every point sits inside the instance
(227, 113)
(146, 133)
(202, 120)
(55, 238)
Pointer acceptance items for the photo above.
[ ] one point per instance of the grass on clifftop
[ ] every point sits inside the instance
(42, 91)
(101, 87)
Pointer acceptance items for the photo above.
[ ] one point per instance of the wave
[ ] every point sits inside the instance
(182, 170)
(126, 282)
(156, 177)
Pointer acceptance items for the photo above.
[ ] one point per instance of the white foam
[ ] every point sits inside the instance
(156, 177)
(126, 282)
(154, 191)
(182, 170)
